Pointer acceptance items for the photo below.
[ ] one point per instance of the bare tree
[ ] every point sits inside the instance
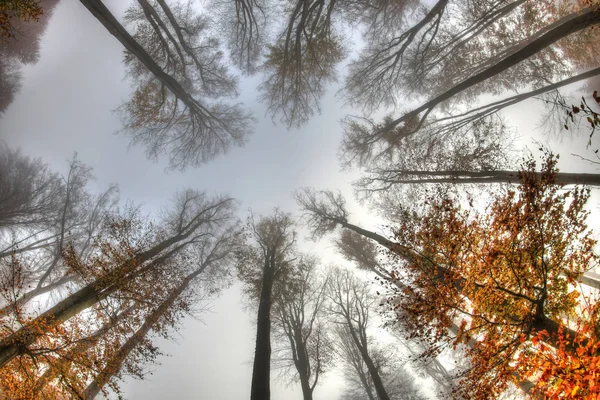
(177, 68)
(261, 264)
(49, 214)
(301, 62)
(29, 191)
(363, 143)
(398, 382)
(244, 24)
(298, 317)
(351, 301)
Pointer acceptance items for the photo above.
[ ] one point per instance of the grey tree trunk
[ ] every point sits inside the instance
(261, 371)
(566, 26)
(414, 177)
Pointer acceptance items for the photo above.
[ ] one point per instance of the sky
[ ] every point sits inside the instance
(66, 105)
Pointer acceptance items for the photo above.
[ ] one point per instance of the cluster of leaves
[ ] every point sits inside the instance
(504, 276)
(584, 110)
(21, 10)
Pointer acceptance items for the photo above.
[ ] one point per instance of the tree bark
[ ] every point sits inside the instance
(562, 178)
(261, 371)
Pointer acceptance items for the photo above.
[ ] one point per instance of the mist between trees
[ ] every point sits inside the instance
(486, 249)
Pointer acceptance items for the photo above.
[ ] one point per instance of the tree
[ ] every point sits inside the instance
(398, 382)
(214, 253)
(177, 68)
(362, 143)
(260, 265)
(351, 301)
(301, 62)
(30, 191)
(298, 317)
(506, 275)
(43, 214)
(325, 211)
(119, 264)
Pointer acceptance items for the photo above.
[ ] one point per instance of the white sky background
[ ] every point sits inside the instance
(65, 105)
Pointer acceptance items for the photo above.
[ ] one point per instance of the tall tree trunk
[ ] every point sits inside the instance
(261, 371)
(115, 364)
(373, 372)
(568, 25)
(302, 366)
(563, 178)
(105, 17)
(17, 343)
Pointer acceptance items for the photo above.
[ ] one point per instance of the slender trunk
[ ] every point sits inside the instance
(563, 178)
(115, 364)
(105, 17)
(474, 114)
(365, 383)
(17, 343)
(261, 371)
(373, 372)
(570, 24)
(302, 366)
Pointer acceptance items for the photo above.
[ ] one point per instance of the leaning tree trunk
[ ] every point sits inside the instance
(261, 371)
(103, 14)
(17, 343)
(115, 364)
(415, 177)
(568, 25)
(373, 372)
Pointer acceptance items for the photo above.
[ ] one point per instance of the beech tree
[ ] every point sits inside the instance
(351, 302)
(398, 382)
(118, 266)
(301, 61)
(214, 253)
(177, 69)
(262, 263)
(43, 214)
(300, 326)
(506, 275)
(363, 142)
(30, 191)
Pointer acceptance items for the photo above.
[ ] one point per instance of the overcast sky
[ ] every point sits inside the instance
(66, 105)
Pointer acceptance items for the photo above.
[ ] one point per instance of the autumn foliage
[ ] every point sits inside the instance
(504, 279)
(21, 10)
